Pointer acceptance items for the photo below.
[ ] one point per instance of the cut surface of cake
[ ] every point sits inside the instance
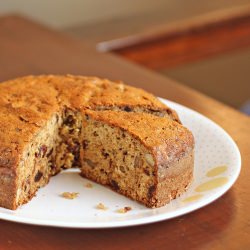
(48, 123)
(144, 157)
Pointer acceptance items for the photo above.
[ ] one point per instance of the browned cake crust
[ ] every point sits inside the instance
(41, 119)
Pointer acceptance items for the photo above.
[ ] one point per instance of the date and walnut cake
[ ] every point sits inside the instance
(118, 135)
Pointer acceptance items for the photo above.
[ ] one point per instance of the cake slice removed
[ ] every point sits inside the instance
(144, 157)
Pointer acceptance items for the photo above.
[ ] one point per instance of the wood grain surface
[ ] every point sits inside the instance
(177, 43)
(118, 28)
(28, 48)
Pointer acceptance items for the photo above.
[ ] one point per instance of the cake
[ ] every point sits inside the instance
(49, 123)
(141, 156)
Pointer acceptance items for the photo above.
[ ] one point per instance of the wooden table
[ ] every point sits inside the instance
(28, 48)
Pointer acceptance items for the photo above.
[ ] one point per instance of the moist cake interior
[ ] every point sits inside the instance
(115, 158)
(104, 154)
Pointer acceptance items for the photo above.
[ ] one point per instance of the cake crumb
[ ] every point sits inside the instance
(101, 206)
(88, 185)
(70, 195)
(124, 210)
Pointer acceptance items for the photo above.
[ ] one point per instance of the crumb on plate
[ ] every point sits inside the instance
(88, 185)
(123, 210)
(101, 206)
(70, 195)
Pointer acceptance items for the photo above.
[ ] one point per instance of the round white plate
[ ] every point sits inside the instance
(214, 149)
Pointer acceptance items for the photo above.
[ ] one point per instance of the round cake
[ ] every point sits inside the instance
(117, 135)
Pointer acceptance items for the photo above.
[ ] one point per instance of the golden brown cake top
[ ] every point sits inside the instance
(161, 134)
(24, 108)
(83, 91)
(27, 103)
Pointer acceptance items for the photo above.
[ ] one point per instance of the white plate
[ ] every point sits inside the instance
(214, 147)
